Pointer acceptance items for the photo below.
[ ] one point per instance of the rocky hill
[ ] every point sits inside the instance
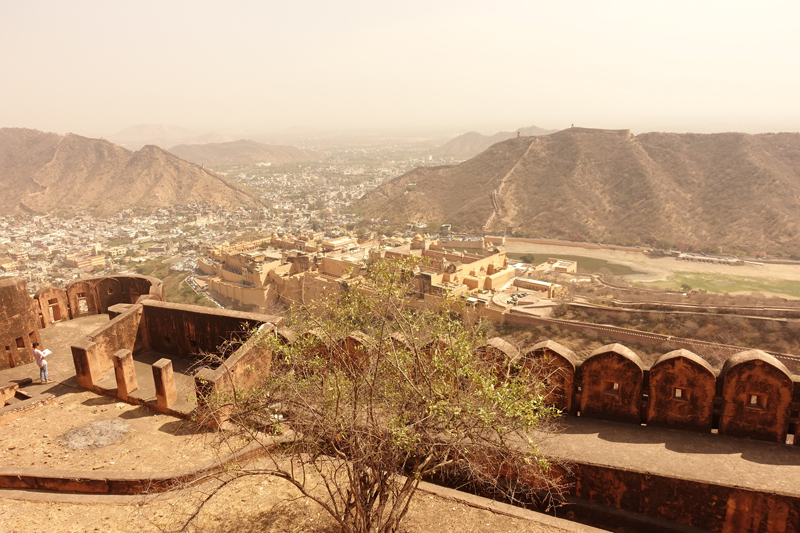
(242, 152)
(44, 173)
(736, 191)
(471, 144)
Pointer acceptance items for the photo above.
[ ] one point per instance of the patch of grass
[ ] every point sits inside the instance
(725, 283)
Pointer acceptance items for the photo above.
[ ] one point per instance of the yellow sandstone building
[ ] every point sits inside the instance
(257, 278)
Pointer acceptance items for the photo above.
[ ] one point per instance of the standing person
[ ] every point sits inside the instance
(41, 361)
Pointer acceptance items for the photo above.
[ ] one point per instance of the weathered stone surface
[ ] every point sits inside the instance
(53, 305)
(19, 327)
(97, 434)
(166, 393)
(611, 384)
(556, 365)
(125, 373)
(757, 394)
(681, 392)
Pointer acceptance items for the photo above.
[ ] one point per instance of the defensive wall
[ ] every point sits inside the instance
(516, 317)
(21, 316)
(753, 398)
(621, 133)
(588, 245)
(738, 310)
(93, 296)
(18, 325)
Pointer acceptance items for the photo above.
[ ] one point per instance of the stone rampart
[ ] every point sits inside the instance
(93, 296)
(18, 323)
(754, 396)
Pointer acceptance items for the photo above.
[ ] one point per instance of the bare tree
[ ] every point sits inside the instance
(378, 392)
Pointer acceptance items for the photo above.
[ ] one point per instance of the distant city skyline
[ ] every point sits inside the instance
(95, 68)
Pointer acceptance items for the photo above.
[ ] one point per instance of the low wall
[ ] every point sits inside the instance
(697, 504)
(552, 242)
(247, 366)
(191, 330)
(462, 245)
(93, 355)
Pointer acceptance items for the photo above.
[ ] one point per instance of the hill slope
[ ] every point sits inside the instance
(472, 143)
(44, 172)
(242, 152)
(734, 190)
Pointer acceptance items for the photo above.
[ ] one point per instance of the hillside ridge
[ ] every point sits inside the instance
(736, 191)
(43, 172)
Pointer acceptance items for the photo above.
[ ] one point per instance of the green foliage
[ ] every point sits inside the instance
(722, 283)
(376, 387)
(527, 258)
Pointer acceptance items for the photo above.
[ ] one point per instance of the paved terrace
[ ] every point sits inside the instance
(763, 466)
(703, 457)
(59, 337)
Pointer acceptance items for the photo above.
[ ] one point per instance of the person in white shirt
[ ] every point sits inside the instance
(41, 361)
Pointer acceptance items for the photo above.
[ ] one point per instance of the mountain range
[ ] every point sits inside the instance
(135, 137)
(242, 152)
(736, 191)
(50, 173)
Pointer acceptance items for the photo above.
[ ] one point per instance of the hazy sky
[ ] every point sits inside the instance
(97, 67)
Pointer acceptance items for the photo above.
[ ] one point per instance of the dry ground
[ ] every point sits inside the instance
(248, 505)
(153, 443)
(157, 442)
(657, 269)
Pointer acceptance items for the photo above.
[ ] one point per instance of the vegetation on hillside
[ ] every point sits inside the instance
(175, 288)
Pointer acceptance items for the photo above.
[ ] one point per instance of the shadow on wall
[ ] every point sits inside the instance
(752, 397)
(94, 296)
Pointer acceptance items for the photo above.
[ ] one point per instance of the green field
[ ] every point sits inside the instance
(722, 283)
(587, 264)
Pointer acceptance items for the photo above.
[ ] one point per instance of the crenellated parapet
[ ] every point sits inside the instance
(18, 324)
(754, 396)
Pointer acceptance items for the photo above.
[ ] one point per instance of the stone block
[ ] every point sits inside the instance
(7, 391)
(166, 393)
(125, 373)
(88, 367)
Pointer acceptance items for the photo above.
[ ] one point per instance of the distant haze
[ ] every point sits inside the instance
(97, 67)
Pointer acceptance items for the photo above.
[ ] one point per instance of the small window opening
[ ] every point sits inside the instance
(611, 387)
(53, 301)
(20, 342)
(110, 290)
(193, 343)
(167, 340)
(81, 295)
(757, 401)
(681, 395)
